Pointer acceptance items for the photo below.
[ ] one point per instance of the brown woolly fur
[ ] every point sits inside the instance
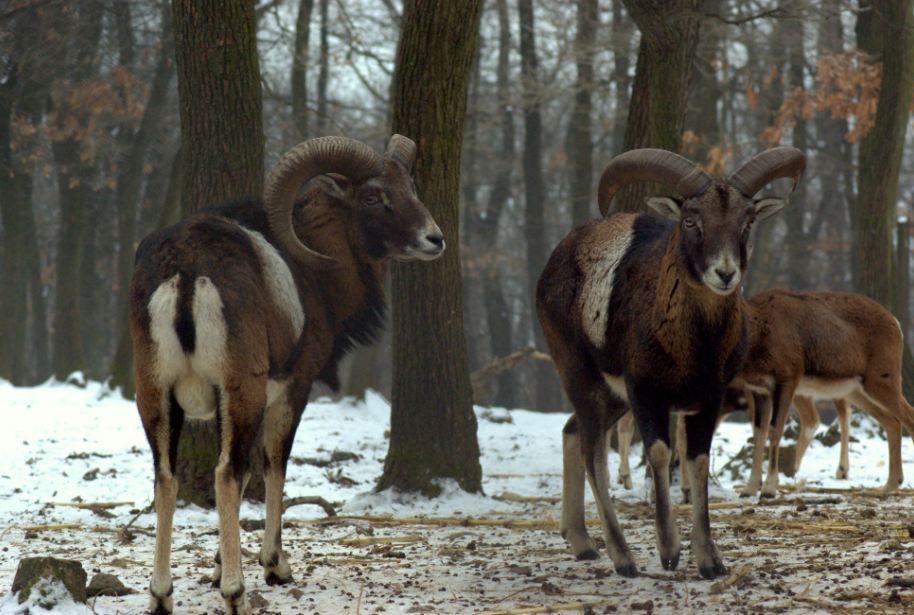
(236, 311)
(824, 345)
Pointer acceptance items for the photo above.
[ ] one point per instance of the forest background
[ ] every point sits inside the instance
(91, 158)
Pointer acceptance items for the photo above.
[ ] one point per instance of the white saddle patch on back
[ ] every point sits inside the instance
(279, 280)
(598, 285)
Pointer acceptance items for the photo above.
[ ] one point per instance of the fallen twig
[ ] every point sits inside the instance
(375, 540)
(457, 521)
(732, 579)
(545, 608)
(310, 499)
(91, 505)
(51, 526)
(124, 534)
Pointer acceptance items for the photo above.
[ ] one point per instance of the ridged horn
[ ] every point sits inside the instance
(767, 166)
(403, 150)
(348, 157)
(657, 165)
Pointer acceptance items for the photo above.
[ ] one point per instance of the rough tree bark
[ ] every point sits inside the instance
(13, 300)
(579, 143)
(884, 31)
(656, 113)
(622, 34)
(548, 391)
(222, 154)
(706, 93)
(433, 427)
(497, 313)
(300, 70)
(323, 71)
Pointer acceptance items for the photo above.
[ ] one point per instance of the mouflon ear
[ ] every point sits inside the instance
(335, 185)
(767, 206)
(665, 206)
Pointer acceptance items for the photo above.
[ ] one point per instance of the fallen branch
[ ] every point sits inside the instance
(456, 521)
(310, 499)
(546, 608)
(51, 526)
(376, 540)
(507, 496)
(125, 535)
(353, 561)
(91, 505)
(732, 579)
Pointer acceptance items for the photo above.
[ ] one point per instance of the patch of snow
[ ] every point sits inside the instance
(45, 592)
(64, 443)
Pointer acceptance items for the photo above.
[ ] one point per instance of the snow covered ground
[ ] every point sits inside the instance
(818, 548)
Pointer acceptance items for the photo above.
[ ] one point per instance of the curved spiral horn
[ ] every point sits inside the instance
(687, 178)
(767, 166)
(403, 150)
(341, 155)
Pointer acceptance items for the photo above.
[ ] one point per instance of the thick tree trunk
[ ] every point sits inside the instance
(656, 113)
(706, 93)
(323, 71)
(13, 304)
(548, 391)
(222, 155)
(221, 108)
(498, 315)
(884, 32)
(579, 142)
(433, 427)
(300, 70)
(622, 34)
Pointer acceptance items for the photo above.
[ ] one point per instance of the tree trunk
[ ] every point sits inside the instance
(130, 168)
(498, 314)
(794, 216)
(74, 185)
(222, 155)
(669, 33)
(883, 32)
(622, 34)
(432, 426)
(579, 143)
(13, 304)
(835, 160)
(300, 70)
(548, 391)
(323, 73)
(706, 93)
(122, 364)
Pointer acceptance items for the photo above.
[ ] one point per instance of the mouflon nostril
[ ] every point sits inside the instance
(725, 276)
(436, 239)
